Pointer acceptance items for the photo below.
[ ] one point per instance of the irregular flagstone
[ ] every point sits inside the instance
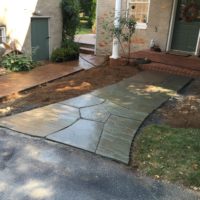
(117, 138)
(102, 112)
(83, 134)
(99, 113)
(136, 97)
(42, 121)
(83, 101)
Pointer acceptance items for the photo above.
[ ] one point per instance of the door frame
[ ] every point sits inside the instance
(49, 32)
(171, 30)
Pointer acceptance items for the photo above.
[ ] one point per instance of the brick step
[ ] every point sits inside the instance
(171, 69)
(190, 62)
(87, 50)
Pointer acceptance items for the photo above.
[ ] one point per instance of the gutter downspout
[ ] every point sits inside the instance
(115, 47)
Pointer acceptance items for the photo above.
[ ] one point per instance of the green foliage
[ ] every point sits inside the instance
(70, 15)
(89, 9)
(68, 51)
(70, 44)
(123, 32)
(17, 62)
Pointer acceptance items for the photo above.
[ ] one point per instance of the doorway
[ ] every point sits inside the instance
(40, 38)
(186, 30)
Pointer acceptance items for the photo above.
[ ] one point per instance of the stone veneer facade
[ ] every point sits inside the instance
(16, 16)
(157, 27)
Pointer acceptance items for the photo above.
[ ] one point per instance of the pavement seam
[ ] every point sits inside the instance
(63, 128)
(83, 106)
(102, 133)
(25, 134)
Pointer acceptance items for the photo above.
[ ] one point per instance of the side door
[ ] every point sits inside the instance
(40, 38)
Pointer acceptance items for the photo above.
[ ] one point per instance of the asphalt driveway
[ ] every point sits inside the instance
(36, 169)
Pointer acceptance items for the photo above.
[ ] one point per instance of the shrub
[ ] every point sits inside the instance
(65, 53)
(17, 62)
(70, 44)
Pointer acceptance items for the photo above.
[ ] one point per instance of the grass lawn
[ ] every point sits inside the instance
(169, 153)
(84, 29)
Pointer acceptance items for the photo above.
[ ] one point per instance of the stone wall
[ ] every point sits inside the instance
(16, 16)
(157, 27)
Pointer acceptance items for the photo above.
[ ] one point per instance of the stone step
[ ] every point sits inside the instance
(171, 69)
(86, 45)
(87, 50)
(190, 62)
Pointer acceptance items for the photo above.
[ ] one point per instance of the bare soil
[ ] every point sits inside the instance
(182, 111)
(64, 88)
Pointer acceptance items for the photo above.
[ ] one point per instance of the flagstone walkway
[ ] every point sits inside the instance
(104, 121)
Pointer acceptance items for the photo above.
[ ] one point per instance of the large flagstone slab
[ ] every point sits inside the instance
(149, 77)
(102, 112)
(42, 121)
(176, 83)
(117, 138)
(83, 101)
(83, 134)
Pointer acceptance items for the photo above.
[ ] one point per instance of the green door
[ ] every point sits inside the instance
(40, 38)
(186, 33)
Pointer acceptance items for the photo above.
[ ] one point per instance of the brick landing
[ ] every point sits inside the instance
(175, 64)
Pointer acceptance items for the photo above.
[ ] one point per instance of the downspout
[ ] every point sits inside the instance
(115, 47)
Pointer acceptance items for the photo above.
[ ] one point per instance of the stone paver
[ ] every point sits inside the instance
(83, 101)
(102, 112)
(83, 134)
(42, 121)
(104, 121)
(117, 137)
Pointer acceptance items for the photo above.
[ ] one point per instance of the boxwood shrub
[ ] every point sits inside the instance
(68, 51)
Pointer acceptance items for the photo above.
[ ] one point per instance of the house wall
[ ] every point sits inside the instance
(16, 16)
(157, 28)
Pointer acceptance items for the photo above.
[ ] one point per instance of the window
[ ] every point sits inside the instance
(2, 34)
(139, 9)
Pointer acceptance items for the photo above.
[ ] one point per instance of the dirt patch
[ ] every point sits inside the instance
(182, 111)
(65, 88)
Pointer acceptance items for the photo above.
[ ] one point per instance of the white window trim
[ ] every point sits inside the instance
(3, 29)
(140, 25)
